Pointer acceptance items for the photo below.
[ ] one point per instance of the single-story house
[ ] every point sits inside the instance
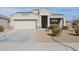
(4, 21)
(38, 18)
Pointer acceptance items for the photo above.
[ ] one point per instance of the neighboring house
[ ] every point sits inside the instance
(69, 25)
(4, 21)
(39, 18)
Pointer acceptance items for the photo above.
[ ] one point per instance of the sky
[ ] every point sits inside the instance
(69, 12)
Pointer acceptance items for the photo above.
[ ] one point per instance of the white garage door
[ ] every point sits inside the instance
(25, 24)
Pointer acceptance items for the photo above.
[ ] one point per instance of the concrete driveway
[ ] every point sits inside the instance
(20, 35)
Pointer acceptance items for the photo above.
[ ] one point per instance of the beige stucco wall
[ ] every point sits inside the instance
(25, 16)
(43, 11)
(56, 16)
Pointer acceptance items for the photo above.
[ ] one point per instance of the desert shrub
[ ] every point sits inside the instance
(1, 28)
(56, 30)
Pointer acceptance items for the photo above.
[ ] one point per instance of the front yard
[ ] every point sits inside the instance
(67, 39)
(65, 36)
(68, 36)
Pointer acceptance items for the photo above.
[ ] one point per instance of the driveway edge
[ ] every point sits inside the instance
(64, 45)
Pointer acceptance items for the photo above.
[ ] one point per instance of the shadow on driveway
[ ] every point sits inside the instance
(73, 34)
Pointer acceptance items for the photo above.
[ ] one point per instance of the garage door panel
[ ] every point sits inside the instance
(25, 24)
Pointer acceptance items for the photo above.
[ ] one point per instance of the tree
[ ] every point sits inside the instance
(76, 26)
(75, 22)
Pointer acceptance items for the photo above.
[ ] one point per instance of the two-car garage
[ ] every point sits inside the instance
(24, 20)
(25, 24)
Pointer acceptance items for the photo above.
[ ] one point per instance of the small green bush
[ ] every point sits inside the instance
(1, 28)
(56, 30)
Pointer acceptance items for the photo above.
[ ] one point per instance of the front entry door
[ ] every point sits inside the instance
(44, 21)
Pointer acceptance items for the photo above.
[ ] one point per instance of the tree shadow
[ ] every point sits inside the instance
(50, 34)
(73, 34)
